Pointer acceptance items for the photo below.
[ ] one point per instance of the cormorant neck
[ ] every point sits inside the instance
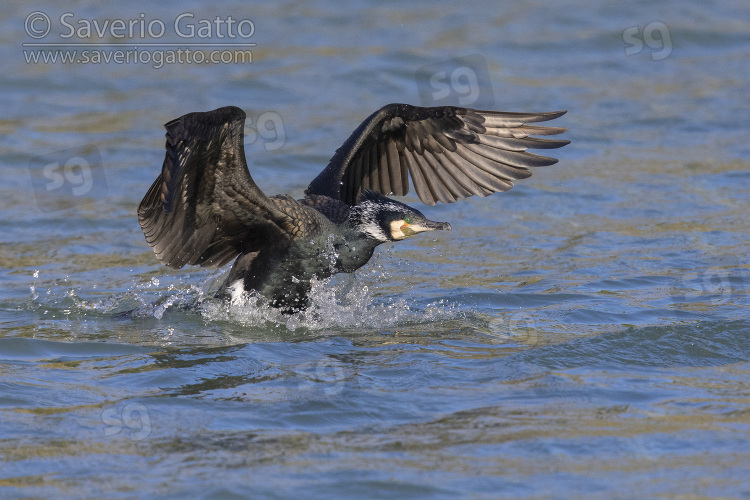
(364, 219)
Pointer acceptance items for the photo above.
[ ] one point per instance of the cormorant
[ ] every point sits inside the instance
(205, 209)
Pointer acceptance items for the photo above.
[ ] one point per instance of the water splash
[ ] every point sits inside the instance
(340, 302)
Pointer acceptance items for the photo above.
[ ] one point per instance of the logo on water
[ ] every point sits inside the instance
(132, 421)
(67, 177)
(520, 327)
(715, 286)
(328, 376)
(655, 35)
(524, 327)
(462, 81)
(268, 128)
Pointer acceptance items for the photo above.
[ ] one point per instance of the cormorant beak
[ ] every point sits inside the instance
(426, 225)
(432, 226)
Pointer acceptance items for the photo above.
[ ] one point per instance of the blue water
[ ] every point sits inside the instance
(586, 334)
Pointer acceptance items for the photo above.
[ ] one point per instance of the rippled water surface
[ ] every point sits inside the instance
(583, 335)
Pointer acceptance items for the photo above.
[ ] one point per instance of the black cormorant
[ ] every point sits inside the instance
(205, 209)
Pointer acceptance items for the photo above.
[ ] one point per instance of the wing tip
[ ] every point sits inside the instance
(549, 115)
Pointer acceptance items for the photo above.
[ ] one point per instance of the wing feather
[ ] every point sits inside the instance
(394, 170)
(204, 208)
(449, 152)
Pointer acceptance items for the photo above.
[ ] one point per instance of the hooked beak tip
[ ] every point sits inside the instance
(427, 225)
(443, 226)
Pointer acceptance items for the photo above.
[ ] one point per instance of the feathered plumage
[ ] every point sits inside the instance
(205, 209)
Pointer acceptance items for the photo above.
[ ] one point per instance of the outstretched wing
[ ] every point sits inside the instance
(451, 153)
(204, 207)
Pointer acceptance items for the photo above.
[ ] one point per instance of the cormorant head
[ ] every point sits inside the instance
(384, 219)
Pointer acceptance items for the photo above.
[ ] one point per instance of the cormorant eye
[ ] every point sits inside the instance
(407, 219)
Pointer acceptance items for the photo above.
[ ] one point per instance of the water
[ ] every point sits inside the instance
(585, 334)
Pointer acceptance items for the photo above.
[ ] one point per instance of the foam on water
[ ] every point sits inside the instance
(339, 302)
